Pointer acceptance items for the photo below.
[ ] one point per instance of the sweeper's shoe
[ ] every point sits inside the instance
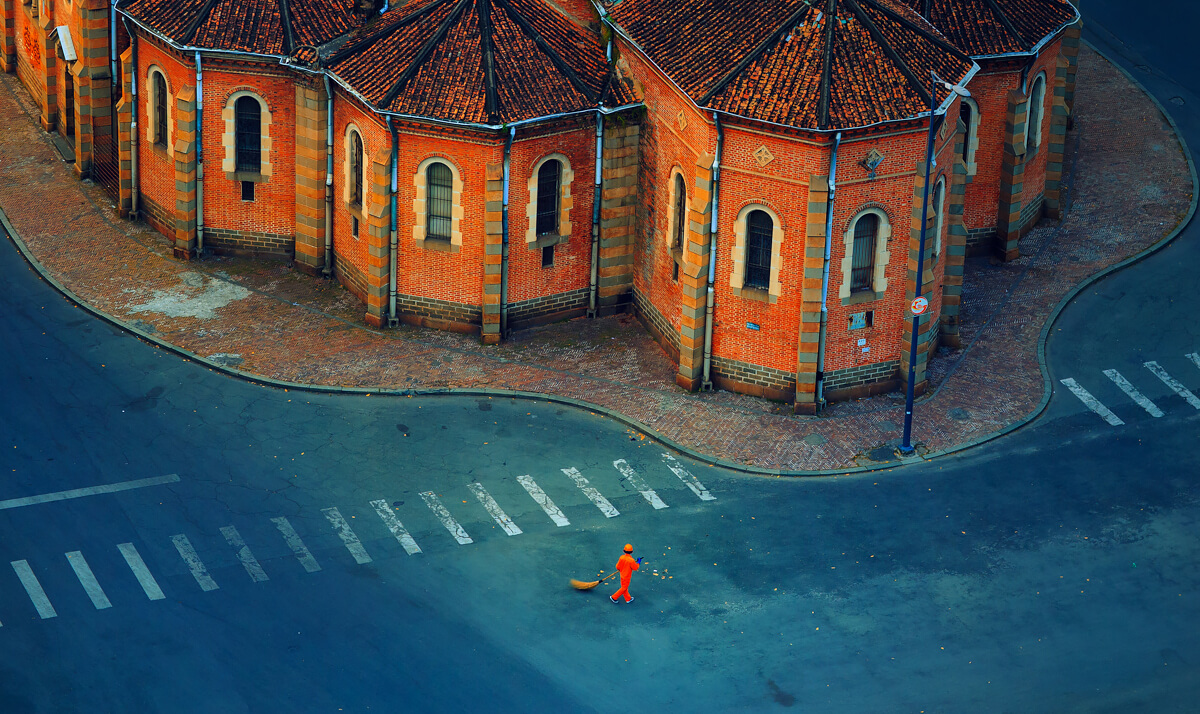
(614, 600)
(629, 601)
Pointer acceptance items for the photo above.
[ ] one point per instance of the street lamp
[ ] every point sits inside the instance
(906, 446)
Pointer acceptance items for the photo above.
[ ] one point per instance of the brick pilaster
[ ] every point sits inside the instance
(926, 322)
(378, 238)
(1070, 50)
(184, 152)
(693, 279)
(124, 119)
(810, 298)
(92, 82)
(311, 126)
(1012, 175)
(1056, 143)
(493, 253)
(955, 247)
(47, 67)
(8, 37)
(618, 202)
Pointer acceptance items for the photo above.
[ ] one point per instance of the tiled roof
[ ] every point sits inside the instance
(276, 27)
(478, 61)
(995, 27)
(815, 64)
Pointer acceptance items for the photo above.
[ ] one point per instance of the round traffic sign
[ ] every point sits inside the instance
(919, 306)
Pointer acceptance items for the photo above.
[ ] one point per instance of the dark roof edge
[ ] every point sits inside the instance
(912, 26)
(492, 99)
(361, 43)
(423, 54)
(763, 46)
(202, 15)
(558, 61)
(826, 66)
(1033, 51)
(1009, 27)
(289, 35)
(913, 81)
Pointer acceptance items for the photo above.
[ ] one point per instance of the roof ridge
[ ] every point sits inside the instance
(549, 51)
(423, 54)
(768, 43)
(204, 13)
(487, 50)
(1007, 23)
(890, 51)
(363, 42)
(826, 66)
(909, 24)
(289, 36)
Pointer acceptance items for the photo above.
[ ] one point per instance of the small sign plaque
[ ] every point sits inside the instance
(920, 305)
(752, 326)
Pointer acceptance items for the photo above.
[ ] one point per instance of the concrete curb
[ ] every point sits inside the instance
(650, 433)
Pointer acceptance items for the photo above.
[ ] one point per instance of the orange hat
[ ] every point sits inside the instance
(628, 548)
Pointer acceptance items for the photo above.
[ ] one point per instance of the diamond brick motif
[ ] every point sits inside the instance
(681, 120)
(763, 156)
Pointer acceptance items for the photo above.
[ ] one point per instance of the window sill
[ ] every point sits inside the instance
(160, 150)
(756, 294)
(439, 245)
(861, 297)
(357, 212)
(246, 176)
(547, 241)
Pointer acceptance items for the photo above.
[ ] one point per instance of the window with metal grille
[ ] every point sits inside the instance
(760, 232)
(248, 134)
(439, 182)
(680, 217)
(548, 187)
(160, 109)
(862, 265)
(356, 170)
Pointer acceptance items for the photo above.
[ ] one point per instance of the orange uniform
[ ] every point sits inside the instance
(626, 565)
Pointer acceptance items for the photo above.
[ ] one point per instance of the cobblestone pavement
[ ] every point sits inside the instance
(1132, 187)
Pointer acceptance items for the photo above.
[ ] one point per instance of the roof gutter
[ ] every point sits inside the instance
(1033, 51)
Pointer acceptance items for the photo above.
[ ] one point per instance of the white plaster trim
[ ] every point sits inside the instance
(882, 254)
(151, 112)
(670, 241)
(1039, 83)
(972, 136)
(939, 223)
(737, 277)
(565, 202)
(229, 141)
(347, 179)
(419, 201)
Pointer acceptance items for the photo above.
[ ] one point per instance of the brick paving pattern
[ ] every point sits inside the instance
(268, 320)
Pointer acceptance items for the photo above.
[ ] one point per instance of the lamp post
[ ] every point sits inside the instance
(906, 446)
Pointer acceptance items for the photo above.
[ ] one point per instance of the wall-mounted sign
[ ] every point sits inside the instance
(920, 305)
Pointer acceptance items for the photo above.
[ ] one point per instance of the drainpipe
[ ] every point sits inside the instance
(596, 199)
(134, 177)
(512, 132)
(706, 383)
(392, 247)
(837, 141)
(328, 269)
(113, 77)
(199, 157)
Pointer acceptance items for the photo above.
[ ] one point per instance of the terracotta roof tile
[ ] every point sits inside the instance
(986, 27)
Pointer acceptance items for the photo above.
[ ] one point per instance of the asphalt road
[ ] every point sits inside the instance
(1054, 570)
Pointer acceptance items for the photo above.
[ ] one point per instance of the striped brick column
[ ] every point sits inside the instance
(378, 238)
(184, 151)
(493, 253)
(311, 118)
(1012, 175)
(926, 322)
(1056, 143)
(1070, 50)
(955, 247)
(618, 202)
(8, 37)
(47, 65)
(693, 279)
(810, 298)
(92, 82)
(124, 119)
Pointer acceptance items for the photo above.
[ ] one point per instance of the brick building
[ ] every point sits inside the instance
(746, 175)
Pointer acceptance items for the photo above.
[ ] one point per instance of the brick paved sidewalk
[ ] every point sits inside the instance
(1132, 187)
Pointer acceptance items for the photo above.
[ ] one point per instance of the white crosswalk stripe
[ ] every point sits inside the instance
(353, 544)
(687, 478)
(140, 571)
(1173, 383)
(292, 538)
(593, 495)
(1091, 402)
(199, 572)
(539, 496)
(639, 484)
(88, 580)
(249, 562)
(443, 515)
(494, 510)
(1139, 398)
(396, 527)
(37, 595)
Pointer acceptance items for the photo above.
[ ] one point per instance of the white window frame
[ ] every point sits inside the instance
(1037, 88)
(972, 136)
(565, 202)
(421, 216)
(879, 281)
(151, 113)
(737, 276)
(229, 136)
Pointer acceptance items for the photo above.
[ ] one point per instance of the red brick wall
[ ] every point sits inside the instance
(1034, 182)
(990, 92)
(29, 49)
(273, 209)
(375, 137)
(156, 167)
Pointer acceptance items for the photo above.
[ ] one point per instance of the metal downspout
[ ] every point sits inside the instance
(134, 176)
(199, 157)
(328, 269)
(837, 141)
(593, 286)
(706, 382)
(392, 247)
(512, 132)
(114, 79)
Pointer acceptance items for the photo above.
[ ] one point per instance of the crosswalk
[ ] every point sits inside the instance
(389, 522)
(1135, 395)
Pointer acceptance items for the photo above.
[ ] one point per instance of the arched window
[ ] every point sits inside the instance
(1033, 119)
(356, 169)
(679, 224)
(549, 183)
(160, 109)
(939, 203)
(969, 113)
(862, 267)
(440, 183)
(760, 232)
(248, 134)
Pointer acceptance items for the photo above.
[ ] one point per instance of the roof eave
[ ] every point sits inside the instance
(1033, 51)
